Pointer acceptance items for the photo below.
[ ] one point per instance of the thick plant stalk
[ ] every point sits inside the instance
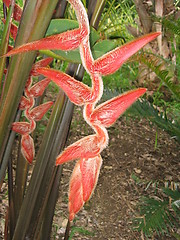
(159, 13)
(4, 45)
(20, 182)
(144, 16)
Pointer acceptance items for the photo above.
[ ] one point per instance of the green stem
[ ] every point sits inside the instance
(8, 150)
(49, 206)
(20, 183)
(11, 217)
(4, 45)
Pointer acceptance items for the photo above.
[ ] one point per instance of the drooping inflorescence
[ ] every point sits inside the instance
(27, 102)
(32, 114)
(87, 150)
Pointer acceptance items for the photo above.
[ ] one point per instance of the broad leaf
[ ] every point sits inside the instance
(102, 47)
(99, 49)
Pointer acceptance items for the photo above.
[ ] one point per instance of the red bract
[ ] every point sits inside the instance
(82, 183)
(17, 13)
(77, 92)
(38, 88)
(112, 61)
(21, 127)
(107, 113)
(87, 149)
(24, 103)
(64, 41)
(38, 112)
(7, 2)
(27, 147)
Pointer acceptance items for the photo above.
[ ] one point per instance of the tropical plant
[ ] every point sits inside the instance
(159, 214)
(40, 196)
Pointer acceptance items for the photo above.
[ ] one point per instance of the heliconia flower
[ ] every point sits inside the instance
(82, 183)
(64, 41)
(88, 149)
(113, 60)
(32, 113)
(27, 147)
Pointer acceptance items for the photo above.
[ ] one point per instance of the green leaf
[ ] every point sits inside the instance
(81, 231)
(155, 216)
(61, 25)
(70, 56)
(175, 195)
(102, 47)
